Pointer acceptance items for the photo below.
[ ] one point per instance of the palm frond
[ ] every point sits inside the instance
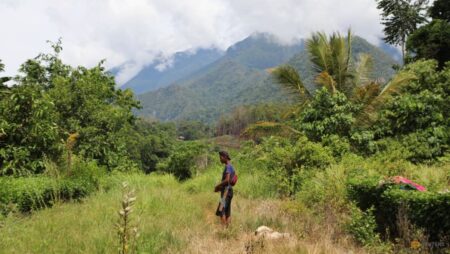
(332, 55)
(319, 52)
(326, 80)
(266, 128)
(341, 58)
(371, 103)
(396, 84)
(366, 94)
(349, 46)
(364, 68)
(287, 76)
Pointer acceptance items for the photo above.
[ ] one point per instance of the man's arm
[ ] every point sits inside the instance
(223, 183)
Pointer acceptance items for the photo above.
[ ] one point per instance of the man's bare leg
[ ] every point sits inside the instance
(223, 219)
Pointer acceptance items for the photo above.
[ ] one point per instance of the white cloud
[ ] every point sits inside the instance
(133, 33)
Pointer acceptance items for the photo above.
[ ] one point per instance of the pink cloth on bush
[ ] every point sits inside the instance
(401, 179)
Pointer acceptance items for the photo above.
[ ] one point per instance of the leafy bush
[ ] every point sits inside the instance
(75, 188)
(365, 191)
(279, 152)
(181, 163)
(428, 210)
(288, 164)
(31, 193)
(426, 145)
(312, 155)
(87, 171)
(325, 190)
(28, 193)
(27, 130)
(363, 142)
(418, 114)
(362, 226)
(338, 146)
(327, 114)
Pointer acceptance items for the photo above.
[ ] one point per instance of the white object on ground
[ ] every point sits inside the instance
(269, 233)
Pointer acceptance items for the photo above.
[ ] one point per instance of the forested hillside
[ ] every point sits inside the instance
(242, 77)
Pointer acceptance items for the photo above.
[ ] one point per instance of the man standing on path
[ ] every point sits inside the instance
(226, 190)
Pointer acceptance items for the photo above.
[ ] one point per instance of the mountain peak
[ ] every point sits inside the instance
(240, 78)
(263, 50)
(261, 39)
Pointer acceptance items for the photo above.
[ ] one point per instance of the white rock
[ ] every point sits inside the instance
(263, 230)
(269, 233)
(277, 235)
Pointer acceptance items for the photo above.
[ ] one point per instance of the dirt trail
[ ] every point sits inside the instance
(240, 237)
(248, 214)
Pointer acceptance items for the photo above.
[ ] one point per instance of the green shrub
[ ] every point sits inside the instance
(312, 155)
(427, 210)
(88, 172)
(327, 114)
(149, 142)
(417, 114)
(338, 146)
(288, 163)
(365, 191)
(363, 142)
(75, 188)
(362, 226)
(27, 120)
(181, 162)
(325, 190)
(32, 193)
(427, 144)
(28, 193)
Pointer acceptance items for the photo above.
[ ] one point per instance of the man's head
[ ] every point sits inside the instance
(224, 157)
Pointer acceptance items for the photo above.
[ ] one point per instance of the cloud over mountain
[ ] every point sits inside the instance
(135, 33)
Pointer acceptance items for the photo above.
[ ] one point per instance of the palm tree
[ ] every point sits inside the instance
(331, 60)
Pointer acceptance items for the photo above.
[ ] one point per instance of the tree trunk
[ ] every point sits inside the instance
(403, 52)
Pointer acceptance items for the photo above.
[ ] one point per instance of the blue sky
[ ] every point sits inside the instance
(136, 32)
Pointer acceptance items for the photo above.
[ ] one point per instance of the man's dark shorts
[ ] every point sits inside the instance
(227, 208)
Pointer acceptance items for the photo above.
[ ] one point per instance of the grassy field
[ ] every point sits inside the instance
(179, 217)
(172, 217)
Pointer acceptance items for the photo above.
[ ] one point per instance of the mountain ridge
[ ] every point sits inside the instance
(240, 77)
(183, 64)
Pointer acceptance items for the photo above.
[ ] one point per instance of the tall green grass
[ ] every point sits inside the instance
(178, 217)
(169, 215)
(89, 227)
